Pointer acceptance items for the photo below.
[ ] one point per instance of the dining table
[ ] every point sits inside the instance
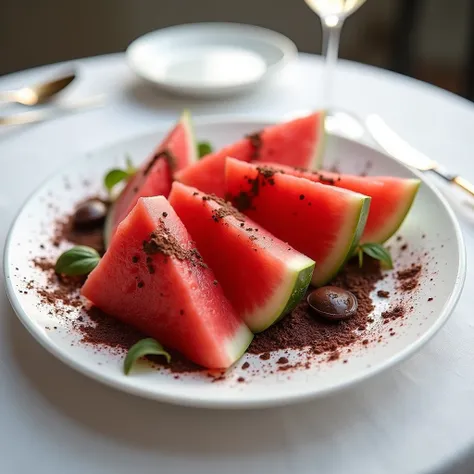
(417, 417)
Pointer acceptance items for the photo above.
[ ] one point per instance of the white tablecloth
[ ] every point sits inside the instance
(416, 418)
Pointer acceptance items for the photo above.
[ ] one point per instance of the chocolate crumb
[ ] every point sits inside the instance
(282, 360)
(245, 365)
(265, 356)
(240, 380)
(393, 314)
(411, 272)
(409, 277)
(333, 356)
(383, 294)
(430, 299)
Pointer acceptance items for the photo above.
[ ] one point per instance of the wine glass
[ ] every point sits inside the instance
(332, 14)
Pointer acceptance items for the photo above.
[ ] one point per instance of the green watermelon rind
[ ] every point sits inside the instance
(318, 154)
(342, 255)
(385, 232)
(187, 123)
(288, 294)
(236, 347)
(108, 226)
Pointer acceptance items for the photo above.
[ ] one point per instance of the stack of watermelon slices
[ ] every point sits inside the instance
(201, 274)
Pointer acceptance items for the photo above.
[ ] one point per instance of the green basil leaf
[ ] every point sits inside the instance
(143, 348)
(204, 148)
(79, 260)
(378, 252)
(113, 177)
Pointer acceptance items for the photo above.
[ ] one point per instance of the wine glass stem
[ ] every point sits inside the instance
(331, 38)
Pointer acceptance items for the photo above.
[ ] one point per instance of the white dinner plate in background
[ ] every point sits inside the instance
(210, 59)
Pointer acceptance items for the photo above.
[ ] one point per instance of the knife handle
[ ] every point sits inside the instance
(457, 180)
(464, 184)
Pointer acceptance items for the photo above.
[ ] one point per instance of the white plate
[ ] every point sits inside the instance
(442, 280)
(210, 59)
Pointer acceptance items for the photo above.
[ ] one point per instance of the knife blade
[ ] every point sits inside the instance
(401, 150)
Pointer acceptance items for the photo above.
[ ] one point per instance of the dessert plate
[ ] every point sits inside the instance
(430, 231)
(210, 59)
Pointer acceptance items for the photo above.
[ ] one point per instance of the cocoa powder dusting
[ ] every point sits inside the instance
(102, 329)
(226, 209)
(256, 142)
(65, 231)
(163, 242)
(393, 313)
(408, 278)
(244, 200)
(60, 292)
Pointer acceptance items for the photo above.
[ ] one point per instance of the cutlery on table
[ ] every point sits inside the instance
(37, 93)
(401, 150)
(35, 116)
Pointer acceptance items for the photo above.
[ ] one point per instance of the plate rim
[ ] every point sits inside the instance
(282, 42)
(271, 401)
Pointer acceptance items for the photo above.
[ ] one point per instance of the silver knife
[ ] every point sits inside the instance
(397, 147)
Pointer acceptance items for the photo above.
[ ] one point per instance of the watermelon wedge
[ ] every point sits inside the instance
(323, 222)
(152, 277)
(155, 176)
(391, 200)
(262, 277)
(299, 142)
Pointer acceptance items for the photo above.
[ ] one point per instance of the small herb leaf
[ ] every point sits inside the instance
(143, 348)
(130, 169)
(204, 148)
(378, 252)
(79, 260)
(114, 177)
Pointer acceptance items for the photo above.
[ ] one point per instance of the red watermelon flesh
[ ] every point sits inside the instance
(153, 278)
(155, 176)
(391, 200)
(296, 143)
(152, 180)
(180, 143)
(323, 222)
(263, 277)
